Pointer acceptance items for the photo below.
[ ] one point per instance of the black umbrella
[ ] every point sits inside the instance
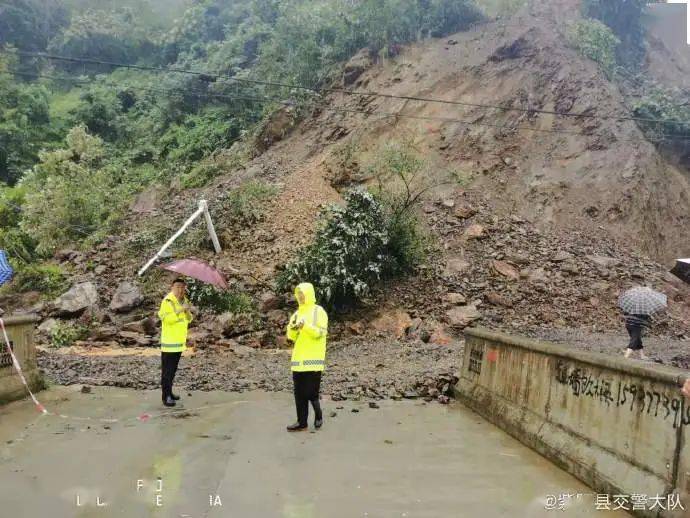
(682, 270)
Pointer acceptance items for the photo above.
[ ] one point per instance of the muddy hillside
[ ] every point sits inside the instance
(557, 203)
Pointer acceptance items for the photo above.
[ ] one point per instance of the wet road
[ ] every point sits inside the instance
(227, 455)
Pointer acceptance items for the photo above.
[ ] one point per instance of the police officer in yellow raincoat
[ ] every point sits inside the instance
(175, 314)
(308, 329)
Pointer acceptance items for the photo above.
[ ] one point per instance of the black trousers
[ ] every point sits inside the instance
(307, 385)
(635, 333)
(169, 362)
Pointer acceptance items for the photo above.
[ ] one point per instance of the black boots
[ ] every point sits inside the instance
(318, 416)
(296, 427)
(169, 401)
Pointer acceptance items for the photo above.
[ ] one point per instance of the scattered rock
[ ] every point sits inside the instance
(103, 334)
(462, 316)
(456, 299)
(243, 351)
(464, 211)
(498, 300)
(393, 323)
(603, 261)
(505, 269)
(475, 231)
(277, 317)
(373, 404)
(47, 326)
(270, 301)
(562, 256)
(76, 300)
(356, 328)
(456, 266)
(131, 338)
(86, 389)
(127, 297)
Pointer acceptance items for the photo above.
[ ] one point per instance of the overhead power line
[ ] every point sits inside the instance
(381, 114)
(343, 90)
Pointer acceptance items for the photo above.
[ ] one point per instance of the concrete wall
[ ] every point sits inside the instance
(20, 330)
(620, 426)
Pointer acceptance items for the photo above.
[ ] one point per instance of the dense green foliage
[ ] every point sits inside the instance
(70, 194)
(49, 279)
(673, 107)
(357, 246)
(210, 298)
(624, 17)
(596, 41)
(64, 334)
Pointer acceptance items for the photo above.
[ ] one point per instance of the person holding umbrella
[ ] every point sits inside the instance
(308, 329)
(638, 305)
(175, 314)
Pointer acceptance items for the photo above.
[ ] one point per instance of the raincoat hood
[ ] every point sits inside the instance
(307, 290)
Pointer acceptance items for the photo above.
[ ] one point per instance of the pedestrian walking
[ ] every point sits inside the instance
(175, 313)
(636, 325)
(638, 305)
(308, 329)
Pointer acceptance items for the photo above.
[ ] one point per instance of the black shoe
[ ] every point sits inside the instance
(297, 428)
(318, 423)
(175, 397)
(169, 402)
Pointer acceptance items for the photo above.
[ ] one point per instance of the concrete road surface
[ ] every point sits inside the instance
(120, 453)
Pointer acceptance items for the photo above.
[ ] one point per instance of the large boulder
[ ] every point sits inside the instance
(76, 300)
(392, 323)
(146, 326)
(462, 316)
(47, 326)
(133, 338)
(269, 302)
(127, 296)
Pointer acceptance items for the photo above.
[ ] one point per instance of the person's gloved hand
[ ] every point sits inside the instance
(298, 325)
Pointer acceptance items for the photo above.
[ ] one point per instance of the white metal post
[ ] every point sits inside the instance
(172, 239)
(203, 205)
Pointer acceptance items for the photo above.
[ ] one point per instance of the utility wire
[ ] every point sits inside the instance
(340, 90)
(383, 115)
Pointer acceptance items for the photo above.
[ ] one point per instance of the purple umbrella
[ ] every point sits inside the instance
(198, 270)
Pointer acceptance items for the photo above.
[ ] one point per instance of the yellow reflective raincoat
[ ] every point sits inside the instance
(309, 353)
(174, 325)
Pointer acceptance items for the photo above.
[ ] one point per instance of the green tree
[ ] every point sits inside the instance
(624, 17)
(115, 36)
(70, 195)
(595, 41)
(24, 124)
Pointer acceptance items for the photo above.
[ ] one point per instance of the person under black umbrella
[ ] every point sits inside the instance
(638, 305)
